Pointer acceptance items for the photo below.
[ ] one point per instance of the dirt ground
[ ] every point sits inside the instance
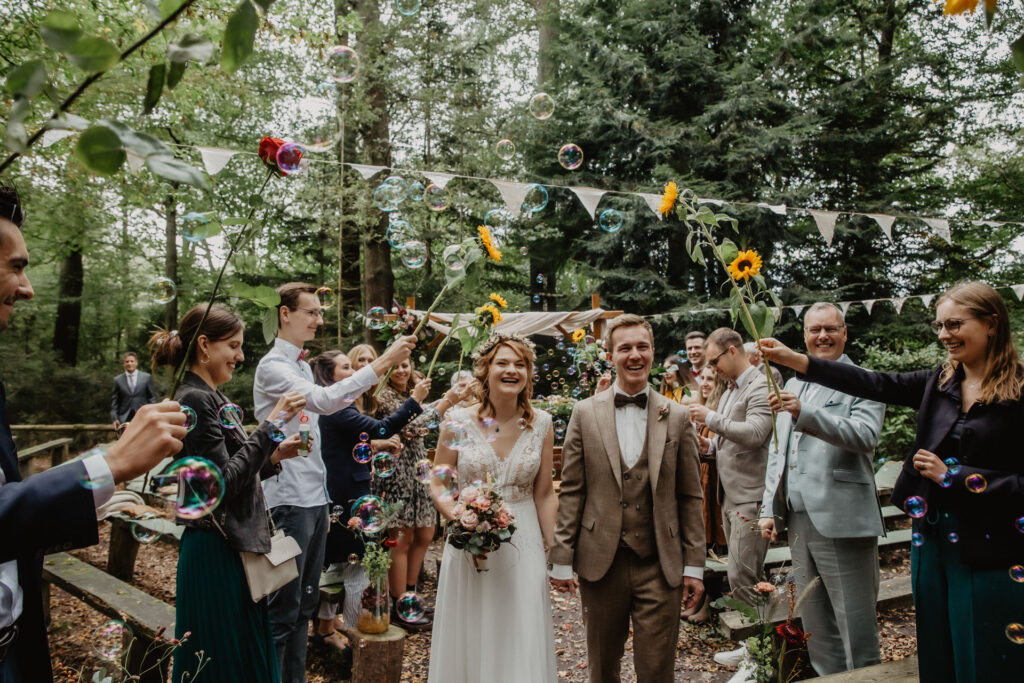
(73, 624)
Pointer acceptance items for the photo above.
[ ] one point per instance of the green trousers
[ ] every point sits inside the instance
(962, 613)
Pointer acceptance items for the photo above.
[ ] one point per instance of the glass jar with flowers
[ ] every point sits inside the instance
(374, 607)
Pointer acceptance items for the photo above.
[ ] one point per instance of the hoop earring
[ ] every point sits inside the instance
(206, 360)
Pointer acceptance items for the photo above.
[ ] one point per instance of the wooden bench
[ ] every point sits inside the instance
(903, 671)
(891, 593)
(146, 616)
(124, 541)
(57, 449)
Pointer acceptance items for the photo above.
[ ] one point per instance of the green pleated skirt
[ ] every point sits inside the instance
(229, 632)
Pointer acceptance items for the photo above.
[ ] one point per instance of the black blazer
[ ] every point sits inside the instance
(123, 403)
(50, 511)
(347, 479)
(989, 445)
(243, 460)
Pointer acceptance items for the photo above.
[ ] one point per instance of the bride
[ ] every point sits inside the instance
(496, 625)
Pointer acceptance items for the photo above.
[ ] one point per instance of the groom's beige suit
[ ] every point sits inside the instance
(629, 531)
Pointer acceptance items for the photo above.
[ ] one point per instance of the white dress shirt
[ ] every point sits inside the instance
(101, 481)
(303, 480)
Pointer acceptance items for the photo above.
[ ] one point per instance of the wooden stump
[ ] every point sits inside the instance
(124, 549)
(377, 657)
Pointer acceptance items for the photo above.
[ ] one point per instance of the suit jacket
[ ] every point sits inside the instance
(744, 430)
(991, 521)
(123, 403)
(51, 511)
(833, 470)
(347, 479)
(589, 523)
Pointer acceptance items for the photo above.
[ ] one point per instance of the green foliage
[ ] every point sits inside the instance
(239, 36)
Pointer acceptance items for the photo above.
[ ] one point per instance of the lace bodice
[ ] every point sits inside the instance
(515, 474)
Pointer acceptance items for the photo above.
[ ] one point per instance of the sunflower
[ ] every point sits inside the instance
(498, 299)
(485, 236)
(578, 335)
(668, 200)
(746, 265)
(961, 6)
(489, 311)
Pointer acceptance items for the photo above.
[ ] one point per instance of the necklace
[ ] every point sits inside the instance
(498, 426)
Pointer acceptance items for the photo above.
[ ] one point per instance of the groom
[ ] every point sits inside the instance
(630, 519)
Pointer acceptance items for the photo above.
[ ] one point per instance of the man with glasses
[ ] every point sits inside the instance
(297, 497)
(820, 483)
(743, 427)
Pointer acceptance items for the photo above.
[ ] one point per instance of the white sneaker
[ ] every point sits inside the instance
(731, 658)
(744, 674)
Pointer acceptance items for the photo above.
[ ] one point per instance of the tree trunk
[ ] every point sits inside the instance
(349, 276)
(69, 307)
(171, 259)
(547, 65)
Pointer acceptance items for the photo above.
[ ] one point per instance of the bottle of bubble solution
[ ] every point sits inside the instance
(304, 434)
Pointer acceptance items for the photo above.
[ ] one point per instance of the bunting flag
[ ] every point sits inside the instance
(884, 222)
(898, 304)
(1018, 290)
(797, 310)
(512, 194)
(844, 306)
(653, 203)
(774, 208)
(54, 136)
(869, 304)
(135, 162)
(826, 222)
(215, 159)
(367, 171)
(926, 299)
(776, 312)
(590, 197)
(439, 179)
(941, 228)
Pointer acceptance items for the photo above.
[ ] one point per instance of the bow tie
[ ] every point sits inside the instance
(303, 354)
(640, 400)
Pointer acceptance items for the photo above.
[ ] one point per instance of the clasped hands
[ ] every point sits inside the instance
(693, 589)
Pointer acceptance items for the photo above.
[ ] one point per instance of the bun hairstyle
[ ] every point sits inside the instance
(168, 347)
(323, 367)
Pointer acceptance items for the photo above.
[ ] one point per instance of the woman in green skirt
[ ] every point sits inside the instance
(229, 634)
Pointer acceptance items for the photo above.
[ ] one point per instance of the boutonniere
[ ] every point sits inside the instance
(662, 412)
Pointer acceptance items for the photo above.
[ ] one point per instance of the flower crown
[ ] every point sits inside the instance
(497, 338)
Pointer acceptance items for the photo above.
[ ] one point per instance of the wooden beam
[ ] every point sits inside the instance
(64, 428)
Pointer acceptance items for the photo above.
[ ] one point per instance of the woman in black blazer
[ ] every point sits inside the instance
(964, 485)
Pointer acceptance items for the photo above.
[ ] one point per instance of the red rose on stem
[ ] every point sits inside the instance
(794, 635)
(268, 153)
(389, 543)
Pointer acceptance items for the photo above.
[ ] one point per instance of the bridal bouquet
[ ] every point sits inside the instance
(482, 522)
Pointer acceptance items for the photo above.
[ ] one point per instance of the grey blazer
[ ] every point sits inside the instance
(743, 435)
(123, 403)
(833, 462)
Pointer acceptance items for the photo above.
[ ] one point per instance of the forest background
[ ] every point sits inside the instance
(881, 106)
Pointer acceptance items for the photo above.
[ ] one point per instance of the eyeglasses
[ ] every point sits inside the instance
(952, 325)
(714, 361)
(314, 312)
(830, 330)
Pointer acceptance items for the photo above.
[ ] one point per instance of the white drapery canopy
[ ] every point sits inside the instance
(525, 324)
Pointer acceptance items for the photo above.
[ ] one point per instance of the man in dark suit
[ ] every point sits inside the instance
(55, 509)
(132, 390)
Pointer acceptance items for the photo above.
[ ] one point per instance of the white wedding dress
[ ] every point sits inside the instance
(496, 625)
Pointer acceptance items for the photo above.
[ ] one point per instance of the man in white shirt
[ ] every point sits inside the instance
(297, 497)
(55, 509)
(630, 517)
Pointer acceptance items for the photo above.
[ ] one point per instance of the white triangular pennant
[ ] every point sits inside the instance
(653, 203)
(844, 306)
(884, 222)
(826, 222)
(774, 208)
(438, 178)
(776, 312)
(1018, 290)
(215, 159)
(869, 304)
(926, 299)
(367, 171)
(53, 136)
(590, 197)
(898, 304)
(135, 162)
(512, 194)
(940, 226)
(798, 309)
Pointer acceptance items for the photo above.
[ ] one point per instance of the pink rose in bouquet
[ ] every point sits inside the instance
(481, 504)
(484, 522)
(469, 520)
(502, 519)
(470, 493)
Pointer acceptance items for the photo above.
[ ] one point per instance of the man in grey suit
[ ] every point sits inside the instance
(132, 390)
(821, 485)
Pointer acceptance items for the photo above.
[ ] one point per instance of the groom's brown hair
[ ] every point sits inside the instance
(627, 320)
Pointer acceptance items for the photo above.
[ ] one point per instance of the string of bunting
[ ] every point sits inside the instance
(513, 193)
(844, 306)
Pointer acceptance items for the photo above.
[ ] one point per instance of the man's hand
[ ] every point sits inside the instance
(930, 465)
(790, 403)
(693, 593)
(565, 585)
(698, 413)
(395, 354)
(767, 527)
(703, 444)
(154, 433)
(776, 352)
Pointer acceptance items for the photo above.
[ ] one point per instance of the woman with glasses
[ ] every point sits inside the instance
(964, 485)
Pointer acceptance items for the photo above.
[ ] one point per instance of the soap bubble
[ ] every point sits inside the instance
(291, 157)
(230, 415)
(387, 197)
(1019, 524)
(414, 254)
(916, 507)
(453, 434)
(975, 483)
(431, 418)
(542, 106)
(454, 257)
(398, 182)
(505, 149)
(536, 198)
(1017, 573)
(953, 537)
(497, 219)
(343, 63)
(363, 436)
(1015, 632)
(681, 355)
(541, 279)
(194, 226)
(570, 156)
(416, 189)
(559, 427)
(916, 538)
(353, 558)
(952, 466)
(109, 639)
(369, 513)
(398, 233)
(362, 453)
(142, 534)
(524, 251)
(384, 464)
(436, 197)
(407, 8)
(443, 483)
(190, 419)
(610, 220)
(162, 290)
(946, 480)
(336, 512)
(424, 468)
(409, 606)
(376, 318)
(536, 298)
(200, 486)
(326, 296)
